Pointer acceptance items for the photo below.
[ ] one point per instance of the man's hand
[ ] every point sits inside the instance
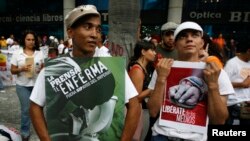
(163, 67)
(211, 75)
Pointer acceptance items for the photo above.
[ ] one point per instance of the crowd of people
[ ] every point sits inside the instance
(223, 87)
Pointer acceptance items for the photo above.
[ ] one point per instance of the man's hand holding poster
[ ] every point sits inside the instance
(185, 107)
(85, 98)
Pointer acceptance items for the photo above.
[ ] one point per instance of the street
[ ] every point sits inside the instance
(10, 110)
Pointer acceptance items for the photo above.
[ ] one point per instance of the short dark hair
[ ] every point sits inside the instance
(242, 45)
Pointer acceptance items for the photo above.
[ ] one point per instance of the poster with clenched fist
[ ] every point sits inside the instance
(185, 105)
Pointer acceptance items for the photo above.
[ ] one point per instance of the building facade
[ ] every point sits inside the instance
(229, 17)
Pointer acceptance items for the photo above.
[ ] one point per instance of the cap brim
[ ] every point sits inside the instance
(85, 14)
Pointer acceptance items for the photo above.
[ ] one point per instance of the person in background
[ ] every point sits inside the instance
(3, 42)
(140, 69)
(61, 47)
(15, 46)
(154, 41)
(238, 70)
(100, 49)
(26, 63)
(83, 26)
(10, 40)
(53, 42)
(1, 85)
(211, 52)
(188, 42)
(1, 81)
(166, 47)
(67, 46)
(45, 41)
(53, 52)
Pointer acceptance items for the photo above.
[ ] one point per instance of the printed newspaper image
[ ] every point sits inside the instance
(85, 98)
(185, 107)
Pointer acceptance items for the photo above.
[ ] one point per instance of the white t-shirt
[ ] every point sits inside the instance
(60, 48)
(14, 48)
(18, 59)
(38, 94)
(45, 50)
(102, 51)
(225, 88)
(238, 71)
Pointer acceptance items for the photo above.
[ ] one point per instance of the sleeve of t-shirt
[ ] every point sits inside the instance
(38, 92)
(225, 85)
(152, 82)
(130, 90)
(229, 68)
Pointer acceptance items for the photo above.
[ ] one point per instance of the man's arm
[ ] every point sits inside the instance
(244, 84)
(217, 104)
(156, 97)
(132, 119)
(38, 121)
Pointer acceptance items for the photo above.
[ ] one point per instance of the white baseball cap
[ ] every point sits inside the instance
(78, 12)
(187, 25)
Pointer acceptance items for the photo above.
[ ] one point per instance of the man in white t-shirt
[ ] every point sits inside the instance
(60, 47)
(238, 70)
(83, 25)
(188, 42)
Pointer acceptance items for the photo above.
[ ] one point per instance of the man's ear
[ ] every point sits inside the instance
(202, 44)
(69, 32)
(143, 52)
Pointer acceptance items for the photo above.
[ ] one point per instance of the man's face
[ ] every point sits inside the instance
(85, 36)
(189, 43)
(168, 39)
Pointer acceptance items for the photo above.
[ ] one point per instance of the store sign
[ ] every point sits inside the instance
(35, 18)
(217, 17)
(104, 16)
(239, 17)
(205, 15)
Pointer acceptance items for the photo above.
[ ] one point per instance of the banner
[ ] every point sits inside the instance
(185, 105)
(85, 98)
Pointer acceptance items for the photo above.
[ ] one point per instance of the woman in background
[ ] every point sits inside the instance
(211, 52)
(26, 63)
(140, 69)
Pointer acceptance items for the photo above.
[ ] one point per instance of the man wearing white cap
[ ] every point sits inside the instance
(83, 26)
(188, 42)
